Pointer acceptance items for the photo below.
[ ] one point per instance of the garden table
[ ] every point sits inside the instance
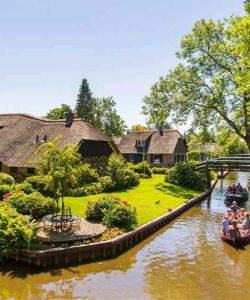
(56, 222)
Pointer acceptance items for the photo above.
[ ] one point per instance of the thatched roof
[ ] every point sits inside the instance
(18, 136)
(157, 144)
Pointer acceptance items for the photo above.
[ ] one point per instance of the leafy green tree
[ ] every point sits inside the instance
(212, 85)
(59, 163)
(85, 103)
(138, 127)
(106, 117)
(58, 112)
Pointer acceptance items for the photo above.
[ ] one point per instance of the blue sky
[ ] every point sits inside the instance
(121, 47)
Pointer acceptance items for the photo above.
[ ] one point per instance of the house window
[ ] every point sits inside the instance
(131, 158)
(30, 171)
(140, 143)
(13, 170)
(157, 158)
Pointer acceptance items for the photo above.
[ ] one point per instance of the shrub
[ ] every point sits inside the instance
(17, 231)
(156, 170)
(194, 155)
(6, 179)
(106, 183)
(143, 168)
(86, 175)
(4, 189)
(184, 174)
(112, 211)
(24, 187)
(41, 184)
(91, 189)
(121, 175)
(35, 204)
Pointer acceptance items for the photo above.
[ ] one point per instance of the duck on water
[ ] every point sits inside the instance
(235, 227)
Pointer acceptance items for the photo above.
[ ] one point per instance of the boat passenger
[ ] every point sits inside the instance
(233, 189)
(239, 188)
(234, 231)
(234, 207)
(246, 222)
(230, 215)
(225, 225)
(241, 214)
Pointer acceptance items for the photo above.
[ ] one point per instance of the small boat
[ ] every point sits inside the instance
(239, 197)
(244, 239)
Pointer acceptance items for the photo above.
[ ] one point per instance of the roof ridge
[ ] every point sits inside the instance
(36, 118)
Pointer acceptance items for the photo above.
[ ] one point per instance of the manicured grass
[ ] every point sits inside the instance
(143, 197)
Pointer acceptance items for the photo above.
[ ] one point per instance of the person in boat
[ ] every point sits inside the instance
(233, 189)
(246, 222)
(225, 225)
(235, 208)
(229, 189)
(239, 188)
(241, 216)
(230, 215)
(234, 230)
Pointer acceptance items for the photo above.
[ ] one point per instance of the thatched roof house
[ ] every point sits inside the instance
(159, 148)
(22, 134)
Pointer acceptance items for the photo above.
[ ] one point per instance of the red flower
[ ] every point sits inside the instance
(134, 207)
(125, 202)
(6, 196)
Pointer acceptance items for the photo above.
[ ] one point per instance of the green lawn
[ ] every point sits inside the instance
(143, 197)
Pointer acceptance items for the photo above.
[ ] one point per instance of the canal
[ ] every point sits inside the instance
(184, 260)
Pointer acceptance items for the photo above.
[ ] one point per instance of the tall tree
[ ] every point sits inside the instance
(58, 112)
(212, 86)
(85, 103)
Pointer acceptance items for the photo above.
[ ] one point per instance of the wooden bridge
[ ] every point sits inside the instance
(240, 163)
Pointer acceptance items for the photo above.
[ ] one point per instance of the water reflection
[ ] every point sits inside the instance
(185, 260)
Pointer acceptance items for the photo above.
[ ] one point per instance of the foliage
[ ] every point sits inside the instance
(106, 183)
(138, 127)
(143, 168)
(59, 163)
(156, 170)
(144, 197)
(16, 231)
(24, 187)
(6, 179)
(86, 175)
(194, 155)
(90, 189)
(121, 175)
(100, 112)
(4, 189)
(34, 205)
(184, 174)
(41, 183)
(58, 112)
(112, 211)
(212, 85)
(230, 143)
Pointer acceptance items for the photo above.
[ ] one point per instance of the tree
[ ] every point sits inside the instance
(58, 112)
(106, 117)
(212, 85)
(138, 127)
(85, 103)
(60, 164)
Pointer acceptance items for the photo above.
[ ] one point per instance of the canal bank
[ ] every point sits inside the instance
(184, 260)
(106, 249)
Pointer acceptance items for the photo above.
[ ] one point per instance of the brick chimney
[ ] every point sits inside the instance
(69, 118)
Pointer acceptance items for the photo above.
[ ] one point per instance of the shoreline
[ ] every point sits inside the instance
(107, 249)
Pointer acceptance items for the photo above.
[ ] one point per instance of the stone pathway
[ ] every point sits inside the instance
(87, 230)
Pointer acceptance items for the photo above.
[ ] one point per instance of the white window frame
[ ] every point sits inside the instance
(131, 158)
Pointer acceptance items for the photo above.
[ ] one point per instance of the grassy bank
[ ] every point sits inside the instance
(144, 197)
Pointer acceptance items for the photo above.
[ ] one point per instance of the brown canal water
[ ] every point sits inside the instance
(185, 260)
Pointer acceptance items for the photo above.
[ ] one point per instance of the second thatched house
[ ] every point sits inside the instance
(22, 134)
(160, 148)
